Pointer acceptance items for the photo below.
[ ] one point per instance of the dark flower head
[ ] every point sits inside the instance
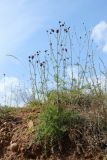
(46, 51)
(4, 74)
(66, 50)
(52, 30)
(29, 57)
(57, 31)
(50, 44)
(59, 22)
(41, 64)
(32, 57)
(29, 60)
(63, 25)
(37, 61)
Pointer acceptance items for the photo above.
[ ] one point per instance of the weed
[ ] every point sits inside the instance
(54, 126)
(57, 75)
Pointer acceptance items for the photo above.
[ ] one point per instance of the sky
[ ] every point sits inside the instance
(23, 25)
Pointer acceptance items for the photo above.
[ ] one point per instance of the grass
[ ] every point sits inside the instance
(6, 112)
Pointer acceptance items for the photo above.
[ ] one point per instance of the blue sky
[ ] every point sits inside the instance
(23, 25)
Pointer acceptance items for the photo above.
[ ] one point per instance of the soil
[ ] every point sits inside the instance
(17, 139)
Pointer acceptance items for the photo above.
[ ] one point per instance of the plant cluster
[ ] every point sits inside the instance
(61, 70)
(54, 126)
(62, 78)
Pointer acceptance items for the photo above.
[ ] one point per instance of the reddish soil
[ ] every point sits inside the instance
(15, 129)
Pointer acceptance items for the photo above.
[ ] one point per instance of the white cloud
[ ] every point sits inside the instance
(99, 34)
(105, 47)
(100, 31)
(7, 82)
(10, 91)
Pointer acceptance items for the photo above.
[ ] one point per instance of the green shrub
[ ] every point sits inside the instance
(54, 125)
(73, 97)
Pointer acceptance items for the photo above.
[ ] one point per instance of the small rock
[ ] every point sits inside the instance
(5, 123)
(30, 124)
(14, 147)
(2, 129)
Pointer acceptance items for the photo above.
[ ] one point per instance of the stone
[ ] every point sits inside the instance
(14, 147)
(30, 124)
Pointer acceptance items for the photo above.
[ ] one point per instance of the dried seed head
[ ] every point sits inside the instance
(62, 49)
(65, 30)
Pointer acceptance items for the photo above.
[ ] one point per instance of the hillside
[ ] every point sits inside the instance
(84, 141)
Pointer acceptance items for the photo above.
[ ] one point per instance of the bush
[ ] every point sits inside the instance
(54, 126)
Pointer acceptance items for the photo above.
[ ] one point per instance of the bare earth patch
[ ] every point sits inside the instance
(17, 135)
